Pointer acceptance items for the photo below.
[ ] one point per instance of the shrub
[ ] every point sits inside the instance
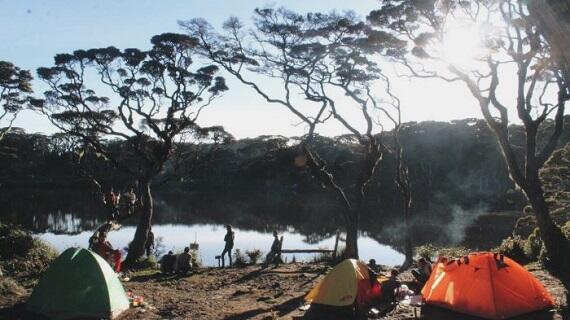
(144, 263)
(254, 255)
(431, 252)
(14, 242)
(566, 229)
(533, 245)
(239, 259)
(21, 255)
(196, 258)
(513, 247)
(9, 287)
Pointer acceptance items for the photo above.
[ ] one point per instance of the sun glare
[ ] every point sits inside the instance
(462, 45)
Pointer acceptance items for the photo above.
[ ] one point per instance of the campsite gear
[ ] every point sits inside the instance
(347, 284)
(79, 284)
(486, 285)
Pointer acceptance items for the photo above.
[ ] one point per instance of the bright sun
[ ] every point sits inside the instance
(462, 45)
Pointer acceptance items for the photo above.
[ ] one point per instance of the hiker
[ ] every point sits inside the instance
(373, 266)
(184, 262)
(106, 250)
(111, 199)
(229, 240)
(149, 244)
(389, 287)
(130, 201)
(422, 273)
(168, 263)
(274, 255)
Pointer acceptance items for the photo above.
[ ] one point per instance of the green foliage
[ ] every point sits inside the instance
(239, 259)
(328, 258)
(22, 255)
(14, 242)
(566, 229)
(513, 247)
(533, 245)
(145, 263)
(431, 252)
(196, 260)
(254, 255)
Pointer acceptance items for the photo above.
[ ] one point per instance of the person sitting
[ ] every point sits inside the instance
(130, 201)
(422, 273)
(168, 263)
(389, 287)
(184, 262)
(112, 199)
(373, 266)
(274, 255)
(107, 252)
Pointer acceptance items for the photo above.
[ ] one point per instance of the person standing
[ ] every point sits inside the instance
(229, 240)
(149, 244)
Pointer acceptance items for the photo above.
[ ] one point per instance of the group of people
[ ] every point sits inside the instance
(176, 263)
(116, 202)
(274, 255)
(389, 289)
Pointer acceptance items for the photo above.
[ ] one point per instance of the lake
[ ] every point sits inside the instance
(210, 239)
(68, 218)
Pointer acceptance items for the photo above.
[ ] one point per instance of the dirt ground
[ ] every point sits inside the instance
(256, 293)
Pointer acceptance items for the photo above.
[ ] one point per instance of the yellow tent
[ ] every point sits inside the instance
(340, 287)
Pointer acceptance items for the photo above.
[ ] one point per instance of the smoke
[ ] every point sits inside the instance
(461, 219)
(443, 226)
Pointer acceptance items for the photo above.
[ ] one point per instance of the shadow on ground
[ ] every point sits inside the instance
(435, 313)
(279, 310)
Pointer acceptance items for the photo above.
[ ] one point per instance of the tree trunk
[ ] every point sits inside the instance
(556, 244)
(351, 249)
(137, 246)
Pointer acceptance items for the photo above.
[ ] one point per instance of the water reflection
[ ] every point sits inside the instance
(210, 239)
(74, 215)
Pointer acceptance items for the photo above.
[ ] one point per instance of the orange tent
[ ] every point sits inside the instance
(486, 285)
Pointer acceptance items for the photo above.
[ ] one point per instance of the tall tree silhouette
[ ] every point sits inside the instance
(320, 63)
(15, 87)
(510, 39)
(147, 99)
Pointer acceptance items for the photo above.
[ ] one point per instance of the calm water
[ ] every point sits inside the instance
(210, 239)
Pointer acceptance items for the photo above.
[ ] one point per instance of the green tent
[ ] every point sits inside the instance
(79, 284)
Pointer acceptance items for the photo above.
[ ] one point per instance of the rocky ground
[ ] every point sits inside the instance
(254, 293)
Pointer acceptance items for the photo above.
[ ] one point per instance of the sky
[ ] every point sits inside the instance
(33, 31)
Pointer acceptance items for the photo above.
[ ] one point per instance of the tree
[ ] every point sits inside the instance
(155, 97)
(510, 39)
(552, 18)
(319, 57)
(15, 85)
